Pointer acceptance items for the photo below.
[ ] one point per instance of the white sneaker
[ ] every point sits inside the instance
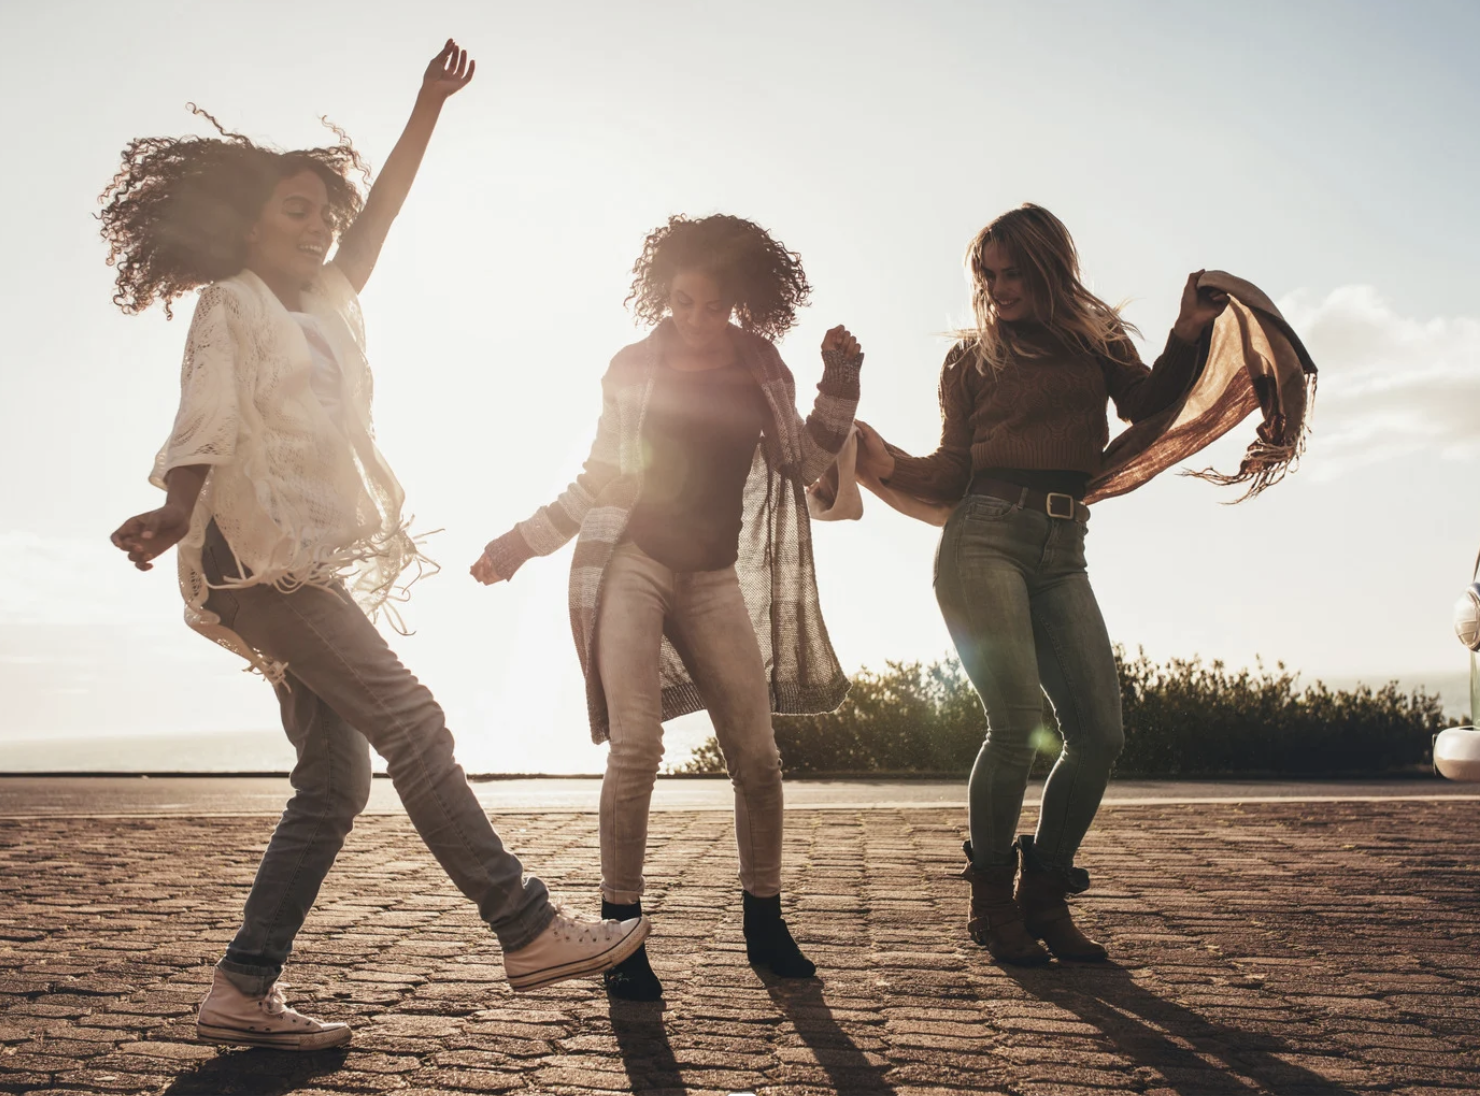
(227, 1015)
(571, 948)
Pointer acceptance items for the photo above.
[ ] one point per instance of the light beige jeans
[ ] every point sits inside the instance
(704, 617)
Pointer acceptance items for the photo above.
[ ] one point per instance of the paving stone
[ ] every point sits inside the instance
(1328, 948)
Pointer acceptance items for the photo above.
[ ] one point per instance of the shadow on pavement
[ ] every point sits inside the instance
(1150, 1030)
(847, 1067)
(642, 1040)
(257, 1072)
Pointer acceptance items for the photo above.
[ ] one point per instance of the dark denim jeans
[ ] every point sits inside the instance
(344, 692)
(1012, 585)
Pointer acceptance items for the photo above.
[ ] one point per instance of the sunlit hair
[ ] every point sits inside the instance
(1038, 244)
(176, 215)
(766, 280)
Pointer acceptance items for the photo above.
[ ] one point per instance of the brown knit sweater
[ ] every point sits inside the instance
(1041, 413)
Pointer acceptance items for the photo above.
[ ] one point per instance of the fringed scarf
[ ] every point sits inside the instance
(1249, 359)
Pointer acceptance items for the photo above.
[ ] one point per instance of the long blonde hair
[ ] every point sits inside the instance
(1040, 246)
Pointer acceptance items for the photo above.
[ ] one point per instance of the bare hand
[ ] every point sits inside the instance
(448, 73)
(483, 571)
(874, 458)
(840, 339)
(148, 535)
(1199, 308)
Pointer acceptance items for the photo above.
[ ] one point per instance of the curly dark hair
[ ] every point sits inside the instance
(175, 217)
(766, 279)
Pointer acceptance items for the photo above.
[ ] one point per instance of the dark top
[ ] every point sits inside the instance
(699, 432)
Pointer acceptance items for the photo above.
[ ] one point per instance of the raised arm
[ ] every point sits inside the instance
(822, 434)
(1139, 392)
(446, 75)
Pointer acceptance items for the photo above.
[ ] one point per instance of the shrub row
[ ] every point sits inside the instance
(1184, 718)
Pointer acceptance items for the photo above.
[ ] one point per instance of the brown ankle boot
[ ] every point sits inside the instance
(1042, 895)
(996, 921)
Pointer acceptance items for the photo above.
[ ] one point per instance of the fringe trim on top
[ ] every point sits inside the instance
(377, 588)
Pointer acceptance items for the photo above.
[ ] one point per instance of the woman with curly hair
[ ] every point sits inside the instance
(286, 515)
(1023, 397)
(692, 584)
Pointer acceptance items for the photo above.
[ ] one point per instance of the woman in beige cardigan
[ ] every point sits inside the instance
(692, 583)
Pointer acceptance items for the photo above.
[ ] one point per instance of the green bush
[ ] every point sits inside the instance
(1182, 719)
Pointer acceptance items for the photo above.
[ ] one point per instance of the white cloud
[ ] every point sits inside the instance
(1390, 385)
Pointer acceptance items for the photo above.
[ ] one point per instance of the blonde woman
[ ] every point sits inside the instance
(289, 527)
(1023, 397)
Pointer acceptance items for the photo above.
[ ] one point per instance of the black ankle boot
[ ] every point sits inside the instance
(632, 979)
(768, 941)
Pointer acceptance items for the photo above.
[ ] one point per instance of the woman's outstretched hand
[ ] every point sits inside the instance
(483, 571)
(874, 459)
(841, 340)
(145, 536)
(448, 72)
(1199, 308)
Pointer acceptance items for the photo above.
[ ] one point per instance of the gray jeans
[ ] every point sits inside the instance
(1012, 586)
(705, 618)
(345, 691)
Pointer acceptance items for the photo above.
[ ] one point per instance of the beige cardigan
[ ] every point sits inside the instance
(775, 567)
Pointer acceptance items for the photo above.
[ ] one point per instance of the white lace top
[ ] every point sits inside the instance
(301, 499)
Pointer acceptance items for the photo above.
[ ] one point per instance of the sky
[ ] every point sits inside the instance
(1325, 151)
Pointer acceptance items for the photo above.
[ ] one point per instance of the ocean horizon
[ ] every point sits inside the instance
(566, 752)
(268, 751)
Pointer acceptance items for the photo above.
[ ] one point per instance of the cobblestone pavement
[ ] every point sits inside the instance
(23, 796)
(1275, 947)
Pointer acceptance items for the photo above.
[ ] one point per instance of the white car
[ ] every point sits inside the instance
(1457, 749)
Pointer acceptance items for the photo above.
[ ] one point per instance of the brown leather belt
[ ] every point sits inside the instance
(1052, 503)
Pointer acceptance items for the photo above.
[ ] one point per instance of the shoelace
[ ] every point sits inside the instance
(583, 932)
(275, 1004)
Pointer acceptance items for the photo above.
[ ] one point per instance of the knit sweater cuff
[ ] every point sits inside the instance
(911, 475)
(508, 553)
(1180, 351)
(840, 374)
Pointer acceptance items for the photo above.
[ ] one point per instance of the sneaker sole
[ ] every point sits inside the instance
(595, 964)
(223, 1036)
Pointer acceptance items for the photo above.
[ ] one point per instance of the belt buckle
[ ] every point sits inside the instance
(1068, 505)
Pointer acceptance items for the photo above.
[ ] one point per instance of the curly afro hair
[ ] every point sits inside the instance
(766, 279)
(176, 215)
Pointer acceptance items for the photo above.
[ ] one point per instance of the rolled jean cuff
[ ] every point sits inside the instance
(253, 979)
(1074, 880)
(520, 932)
